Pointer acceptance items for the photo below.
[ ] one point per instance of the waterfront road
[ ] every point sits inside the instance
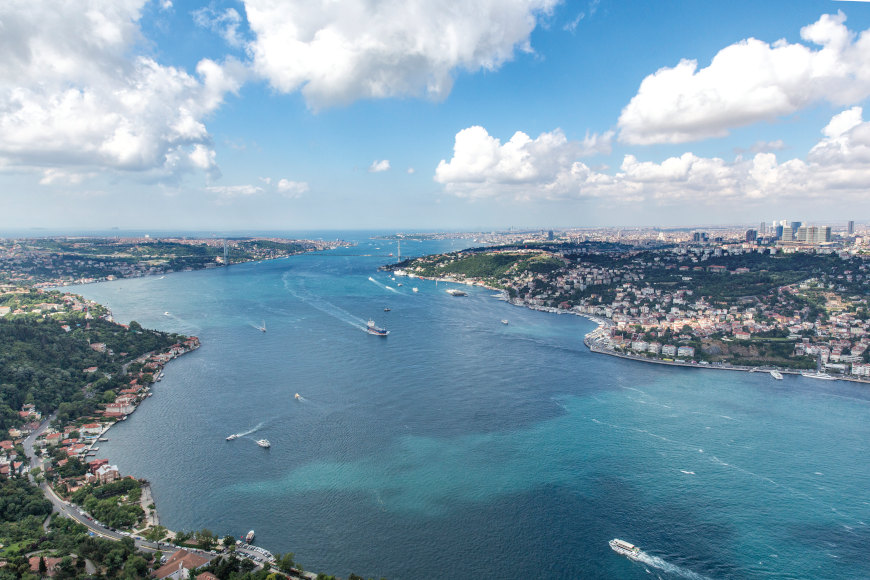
(260, 556)
(71, 511)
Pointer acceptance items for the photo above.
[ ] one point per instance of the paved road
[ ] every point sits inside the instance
(70, 511)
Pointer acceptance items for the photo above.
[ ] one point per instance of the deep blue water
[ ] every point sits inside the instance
(462, 447)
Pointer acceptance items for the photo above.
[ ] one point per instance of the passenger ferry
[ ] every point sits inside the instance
(623, 548)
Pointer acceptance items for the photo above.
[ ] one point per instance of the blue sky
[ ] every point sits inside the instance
(432, 114)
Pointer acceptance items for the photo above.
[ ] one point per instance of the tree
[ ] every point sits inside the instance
(285, 562)
(205, 539)
(229, 541)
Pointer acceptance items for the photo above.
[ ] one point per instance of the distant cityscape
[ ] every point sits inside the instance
(785, 234)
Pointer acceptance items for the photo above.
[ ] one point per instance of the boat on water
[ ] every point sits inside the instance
(387, 309)
(415, 289)
(372, 328)
(505, 321)
(233, 436)
(297, 397)
(263, 328)
(456, 292)
(264, 443)
(818, 375)
(623, 548)
(776, 374)
(249, 537)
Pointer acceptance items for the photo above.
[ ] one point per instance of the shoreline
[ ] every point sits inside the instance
(604, 323)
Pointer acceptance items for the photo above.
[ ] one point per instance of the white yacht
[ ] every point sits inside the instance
(776, 374)
(818, 375)
(264, 443)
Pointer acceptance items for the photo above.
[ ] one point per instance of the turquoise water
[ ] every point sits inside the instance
(459, 446)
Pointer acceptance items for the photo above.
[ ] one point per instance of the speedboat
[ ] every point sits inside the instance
(233, 436)
(297, 397)
(776, 374)
(264, 443)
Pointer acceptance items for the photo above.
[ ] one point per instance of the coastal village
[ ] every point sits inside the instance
(57, 451)
(731, 304)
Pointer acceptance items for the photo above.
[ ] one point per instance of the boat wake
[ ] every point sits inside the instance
(249, 431)
(326, 307)
(664, 566)
(384, 286)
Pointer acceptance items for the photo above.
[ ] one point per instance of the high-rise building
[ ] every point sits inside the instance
(778, 231)
(795, 226)
(787, 234)
(803, 234)
(550, 235)
(850, 227)
(751, 235)
(823, 235)
(762, 228)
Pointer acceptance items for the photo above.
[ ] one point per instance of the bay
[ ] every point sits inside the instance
(461, 446)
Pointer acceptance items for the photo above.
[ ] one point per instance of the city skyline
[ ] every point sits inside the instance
(256, 114)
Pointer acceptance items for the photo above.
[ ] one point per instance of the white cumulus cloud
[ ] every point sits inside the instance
(379, 166)
(225, 23)
(292, 188)
(338, 51)
(483, 166)
(750, 81)
(74, 93)
(547, 168)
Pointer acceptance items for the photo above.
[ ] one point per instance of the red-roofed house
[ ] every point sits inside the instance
(179, 565)
(91, 429)
(51, 565)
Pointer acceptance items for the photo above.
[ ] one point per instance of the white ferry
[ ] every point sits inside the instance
(264, 443)
(250, 537)
(623, 548)
(776, 374)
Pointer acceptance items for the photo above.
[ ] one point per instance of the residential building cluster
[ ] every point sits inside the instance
(652, 305)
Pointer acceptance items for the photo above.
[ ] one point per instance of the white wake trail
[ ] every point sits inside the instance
(656, 562)
(384, 286)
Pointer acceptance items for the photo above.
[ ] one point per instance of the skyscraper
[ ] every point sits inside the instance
(751, 235)
(850, 227)
(795, 226)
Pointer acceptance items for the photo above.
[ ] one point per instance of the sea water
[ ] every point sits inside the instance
(462, 447)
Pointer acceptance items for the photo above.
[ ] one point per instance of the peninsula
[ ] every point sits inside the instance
(733, 305)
